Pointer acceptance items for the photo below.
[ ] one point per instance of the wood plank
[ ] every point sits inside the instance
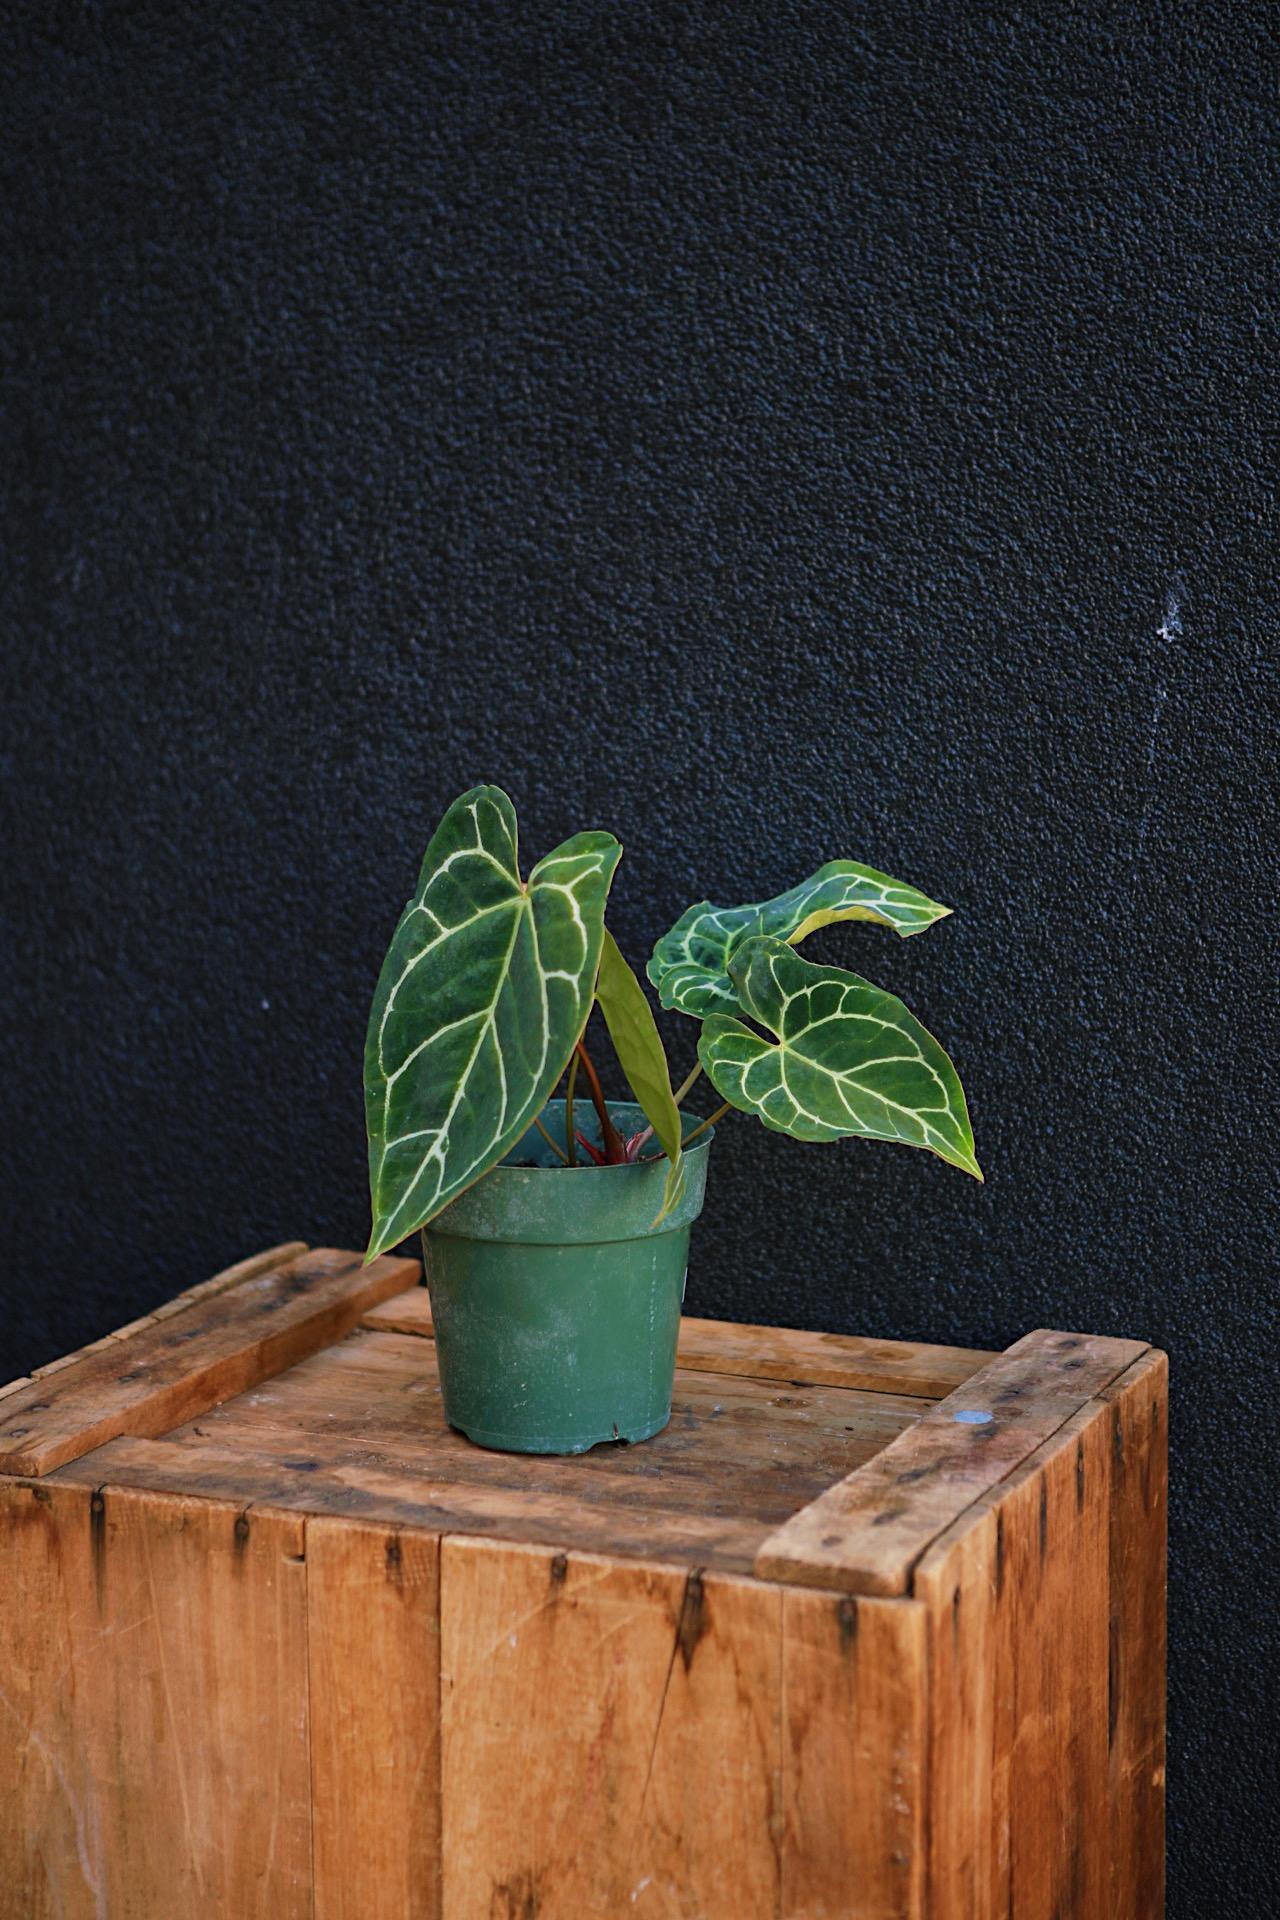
(827, 1359)
(854, 1697)
(632, 1716)
(374, 1662)
(208, 1471)
(865, 1534)
(956, 1582)
(51, 1842)
(1138, 1408)
(154, 1663)
(770, 1353)
(410, 1313)
(1017, 1593)
(229, 1277)
(1051, 1640)
(177, 1368)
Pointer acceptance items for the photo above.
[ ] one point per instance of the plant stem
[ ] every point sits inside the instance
(612, 1141)
(702, 1125)
(552, 1143)
(569, 1141)
(686, 1083)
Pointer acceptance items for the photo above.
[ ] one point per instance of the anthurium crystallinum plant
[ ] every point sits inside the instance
(556, 1299)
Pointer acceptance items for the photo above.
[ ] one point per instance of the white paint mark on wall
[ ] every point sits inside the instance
(1170, 627)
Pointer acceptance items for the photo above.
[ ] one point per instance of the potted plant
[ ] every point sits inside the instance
(556, 1231)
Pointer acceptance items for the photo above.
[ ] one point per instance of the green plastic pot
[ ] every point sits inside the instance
(555, 1300)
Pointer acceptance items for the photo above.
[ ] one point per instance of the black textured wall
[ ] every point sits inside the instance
(771, 432)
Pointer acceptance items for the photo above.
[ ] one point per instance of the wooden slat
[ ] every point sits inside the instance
(1138, 1413)
(957, 1582)
(172, 1370)
(51, 1845)
(397, 1498)
(631, 1714)
(1017, 1593)
(1051, 1681)
(854, 1775)
(374, 1658)
(826, 1359)
(409, 1313)
(153, 1654)
(866, 1533)
(771, 1353)
(229, 1277)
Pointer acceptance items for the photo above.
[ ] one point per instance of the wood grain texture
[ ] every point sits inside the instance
(770, 1353)
(866, 1533)
(374, 1664)
(394, 1498)
(1137, 1407)
(51, 1843)
(175, 1368)
(1051, 1662)
(956, 1583)
(734, 1446)
(359, 1429)
(154, 1667)
(631, 1714)
(854, 1772)
(1017, 1594)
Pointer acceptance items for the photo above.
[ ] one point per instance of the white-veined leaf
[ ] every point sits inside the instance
(690, 964)
(846, 1058)
(483, 993)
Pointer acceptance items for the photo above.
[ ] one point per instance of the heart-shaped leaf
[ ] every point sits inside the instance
(690, 964)
(847, 1058)
(482, 996)
(641, 1055)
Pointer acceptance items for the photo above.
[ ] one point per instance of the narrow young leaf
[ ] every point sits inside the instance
(634, 1033)
(483, 993)
(847, 1058)
(690, 964)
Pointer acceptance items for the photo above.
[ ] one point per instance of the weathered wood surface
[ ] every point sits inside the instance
(153, 1661)
(674, 1744)
(1137, 1405)
(177, 1366)
(854, 1763)
(866, 1533)
(1046, 1606)
(373, 1619)
(358, 1429)
(770, 1353)
(393, 1498)
(959, 1582)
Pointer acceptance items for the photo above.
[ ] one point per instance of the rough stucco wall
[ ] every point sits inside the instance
(770, 432)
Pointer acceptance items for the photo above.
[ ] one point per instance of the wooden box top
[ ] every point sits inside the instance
(300, 1379)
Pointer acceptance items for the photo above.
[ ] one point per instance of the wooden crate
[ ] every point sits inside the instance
(871, 1630)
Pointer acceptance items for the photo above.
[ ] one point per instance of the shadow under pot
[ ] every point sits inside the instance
(555, 1300)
